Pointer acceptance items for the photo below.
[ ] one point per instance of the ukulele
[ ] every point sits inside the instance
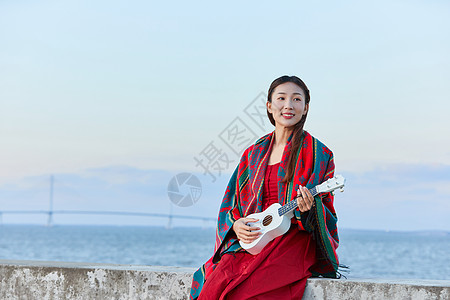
(276, 219)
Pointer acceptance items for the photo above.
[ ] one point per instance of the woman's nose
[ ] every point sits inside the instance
(288, 104)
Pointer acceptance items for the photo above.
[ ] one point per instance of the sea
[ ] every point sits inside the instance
(367, 253)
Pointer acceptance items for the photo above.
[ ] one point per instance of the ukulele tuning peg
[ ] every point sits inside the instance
(342, 190)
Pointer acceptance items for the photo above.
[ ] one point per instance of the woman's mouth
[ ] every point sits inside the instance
(288, 115)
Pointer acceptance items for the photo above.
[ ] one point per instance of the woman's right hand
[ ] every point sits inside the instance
(245, 233)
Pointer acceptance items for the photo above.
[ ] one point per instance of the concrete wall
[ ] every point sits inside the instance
(61, 280)
(377, 289)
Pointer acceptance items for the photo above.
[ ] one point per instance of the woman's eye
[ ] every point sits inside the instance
(297, 99)
(280, 98)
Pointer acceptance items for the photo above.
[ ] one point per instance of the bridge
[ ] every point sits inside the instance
(50, 212)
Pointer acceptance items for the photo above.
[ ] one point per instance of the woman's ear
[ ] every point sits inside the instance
(306, 109)
(269, 106)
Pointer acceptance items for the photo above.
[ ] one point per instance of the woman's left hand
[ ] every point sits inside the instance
(304, 199)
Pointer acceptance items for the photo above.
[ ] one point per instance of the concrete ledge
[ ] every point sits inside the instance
(376, 289)
(62, 280)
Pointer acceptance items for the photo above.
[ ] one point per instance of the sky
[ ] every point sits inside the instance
(115, 98)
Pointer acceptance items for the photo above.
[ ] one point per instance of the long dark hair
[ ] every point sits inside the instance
(298, 128)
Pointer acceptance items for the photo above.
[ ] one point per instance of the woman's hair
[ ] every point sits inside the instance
(298, 128)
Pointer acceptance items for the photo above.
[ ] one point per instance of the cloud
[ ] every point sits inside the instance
(393, 197)
(123, 175)
(397, 196)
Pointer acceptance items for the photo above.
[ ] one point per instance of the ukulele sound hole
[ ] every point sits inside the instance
(267, 220)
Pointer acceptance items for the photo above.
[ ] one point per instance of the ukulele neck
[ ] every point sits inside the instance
(290, 206)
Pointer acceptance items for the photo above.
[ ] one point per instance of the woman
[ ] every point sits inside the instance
(279, 167)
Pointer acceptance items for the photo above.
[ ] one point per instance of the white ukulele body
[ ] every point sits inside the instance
(271, 226)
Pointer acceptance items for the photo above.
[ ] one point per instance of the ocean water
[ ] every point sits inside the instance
(369, 254)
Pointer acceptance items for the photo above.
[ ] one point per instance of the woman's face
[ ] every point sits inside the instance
(288, 105)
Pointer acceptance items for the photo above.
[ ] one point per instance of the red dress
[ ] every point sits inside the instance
(280, 271)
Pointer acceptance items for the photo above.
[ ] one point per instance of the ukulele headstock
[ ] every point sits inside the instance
(337, 182)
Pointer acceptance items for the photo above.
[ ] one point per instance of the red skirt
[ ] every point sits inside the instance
(280, 271)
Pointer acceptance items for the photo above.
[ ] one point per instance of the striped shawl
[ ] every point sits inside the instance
(243, 196)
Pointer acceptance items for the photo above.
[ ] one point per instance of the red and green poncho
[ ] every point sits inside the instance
(243, 196)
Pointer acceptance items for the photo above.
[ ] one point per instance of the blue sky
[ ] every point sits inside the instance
(148, 85)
